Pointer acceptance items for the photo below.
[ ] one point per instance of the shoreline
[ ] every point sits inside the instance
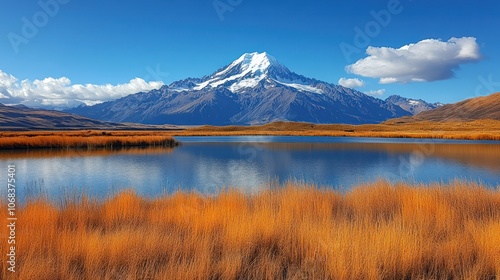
(474, 130)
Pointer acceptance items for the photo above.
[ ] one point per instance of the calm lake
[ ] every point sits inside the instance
(207, 164)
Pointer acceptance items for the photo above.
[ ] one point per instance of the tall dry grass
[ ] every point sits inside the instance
(378, 231)
(83, 141)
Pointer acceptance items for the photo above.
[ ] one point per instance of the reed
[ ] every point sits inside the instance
(89, 142)
(375, 231)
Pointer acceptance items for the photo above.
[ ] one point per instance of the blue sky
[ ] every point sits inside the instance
(112, 48)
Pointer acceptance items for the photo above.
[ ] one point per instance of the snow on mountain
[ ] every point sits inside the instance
(246, 83)
(301, 87)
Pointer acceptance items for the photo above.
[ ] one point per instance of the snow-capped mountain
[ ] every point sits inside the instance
(248, 72)
(414, 106)
(255, 88)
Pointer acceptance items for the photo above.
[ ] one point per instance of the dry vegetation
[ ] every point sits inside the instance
(378, 231)
(474, 130)
(82, 140)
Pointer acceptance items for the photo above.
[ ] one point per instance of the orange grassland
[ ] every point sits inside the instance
(376, 231)
(82, 140)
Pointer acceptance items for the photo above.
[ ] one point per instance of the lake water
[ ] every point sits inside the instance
(206, 164)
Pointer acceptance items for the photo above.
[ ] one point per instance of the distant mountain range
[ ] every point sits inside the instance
(253, 89)
(414, 106)
(20, 117)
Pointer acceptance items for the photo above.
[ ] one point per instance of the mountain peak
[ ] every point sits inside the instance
(245, 72)
(250, 72)
(256, 61)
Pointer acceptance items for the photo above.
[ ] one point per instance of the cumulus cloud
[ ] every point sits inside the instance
(351, 83)
(60, 92)
(425, 61)
(376, 92)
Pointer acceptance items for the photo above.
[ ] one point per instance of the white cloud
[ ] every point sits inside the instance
(425, 61)
(61, 92)
(376, 92)
(351, 83)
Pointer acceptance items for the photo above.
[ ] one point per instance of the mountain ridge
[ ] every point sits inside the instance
(20, 117)
(414, 106)
(477, 108)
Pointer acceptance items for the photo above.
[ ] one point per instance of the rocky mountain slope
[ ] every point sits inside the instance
(414, 106)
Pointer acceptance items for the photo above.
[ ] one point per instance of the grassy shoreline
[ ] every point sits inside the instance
(111, 139)
(87, 140)
(376, 231)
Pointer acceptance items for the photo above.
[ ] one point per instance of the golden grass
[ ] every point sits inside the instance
(82, 140)
(377, 231)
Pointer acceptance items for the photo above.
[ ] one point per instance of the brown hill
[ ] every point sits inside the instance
(479, 108)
